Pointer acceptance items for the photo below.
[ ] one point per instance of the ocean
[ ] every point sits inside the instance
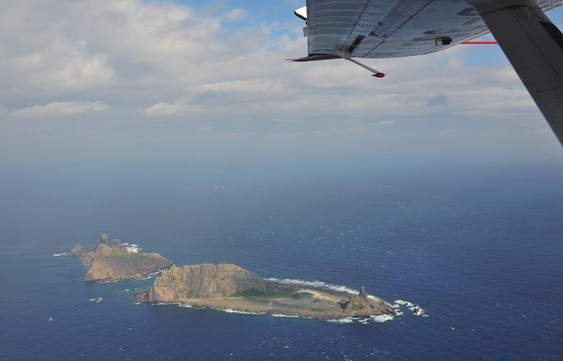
(478, 248)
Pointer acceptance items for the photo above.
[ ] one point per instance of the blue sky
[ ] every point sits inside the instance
(89, 80)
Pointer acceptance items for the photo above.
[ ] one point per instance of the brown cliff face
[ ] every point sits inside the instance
(207, 281)
(112, 262)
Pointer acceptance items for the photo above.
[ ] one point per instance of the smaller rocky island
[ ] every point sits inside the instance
(229, 287)
(116, 261)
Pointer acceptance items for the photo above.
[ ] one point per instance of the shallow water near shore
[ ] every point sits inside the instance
(479, 251)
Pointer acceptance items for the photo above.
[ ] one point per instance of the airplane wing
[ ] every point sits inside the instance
(398, 28)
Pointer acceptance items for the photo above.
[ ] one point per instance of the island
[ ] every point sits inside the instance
(116, 261)
(232, 288)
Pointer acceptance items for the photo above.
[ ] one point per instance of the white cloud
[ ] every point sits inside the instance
(58, 109)
(235, 15)
(172, 60)
(385, 122)
(164, 109)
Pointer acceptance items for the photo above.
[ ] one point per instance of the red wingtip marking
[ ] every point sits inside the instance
(479, 42)
(379, 75)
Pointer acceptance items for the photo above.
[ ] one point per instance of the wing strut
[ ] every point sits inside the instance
(534, 47)
(376, 73)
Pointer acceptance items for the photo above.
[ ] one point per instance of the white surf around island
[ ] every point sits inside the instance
(379, 319)
(132, 248)
(415, 309)
(228, 310)
(151, 275)
(319, 285)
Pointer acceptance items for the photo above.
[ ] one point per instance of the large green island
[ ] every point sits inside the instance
(229, 287)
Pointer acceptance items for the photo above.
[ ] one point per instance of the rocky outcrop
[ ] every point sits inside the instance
(113, 262)
(207, 281)
(76, 250)
(103, 251)
(363, 306)
(104, 239)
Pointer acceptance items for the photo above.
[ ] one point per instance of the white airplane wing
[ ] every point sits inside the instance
(398, 28)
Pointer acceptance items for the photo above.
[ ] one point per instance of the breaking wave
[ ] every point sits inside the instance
(342, 320)
(404, 303)
(150, 275)
(382, 318)
(317, 284)
(415, 309)
(283, 315)
(228, 310)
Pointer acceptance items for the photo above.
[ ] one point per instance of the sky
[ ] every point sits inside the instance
(132, 80)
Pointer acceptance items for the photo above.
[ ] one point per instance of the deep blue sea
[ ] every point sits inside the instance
(479, 248)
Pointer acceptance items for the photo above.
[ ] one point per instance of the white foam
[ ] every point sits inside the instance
(342, 320)
(131, 248)
(228, 310)
(56, 254)
(404, 303)
(150, 275)
(316, 284)
(283, 315)
(111, 281)
(420, 310)
(411, 306)
(96, 299)
(382, 318)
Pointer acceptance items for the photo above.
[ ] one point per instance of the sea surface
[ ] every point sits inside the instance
(478, 248)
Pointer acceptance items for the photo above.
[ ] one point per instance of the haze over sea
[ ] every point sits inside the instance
(477, 246)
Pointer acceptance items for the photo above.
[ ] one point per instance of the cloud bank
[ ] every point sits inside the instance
(186, 69)
(58, 109)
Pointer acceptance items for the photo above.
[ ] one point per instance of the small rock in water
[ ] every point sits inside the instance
(50, 319)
